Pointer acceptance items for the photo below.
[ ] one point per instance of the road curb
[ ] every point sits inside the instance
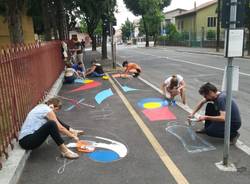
(14, 165)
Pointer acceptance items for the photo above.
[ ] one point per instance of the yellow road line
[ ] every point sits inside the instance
(173, 169)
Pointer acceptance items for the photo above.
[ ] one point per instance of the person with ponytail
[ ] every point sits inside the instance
(173, 86)
(41, 122)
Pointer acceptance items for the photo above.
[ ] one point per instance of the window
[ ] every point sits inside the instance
(167, 21)
(211, 22)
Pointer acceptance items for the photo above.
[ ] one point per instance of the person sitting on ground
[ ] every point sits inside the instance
(79, 68)
(215, 113)
(173, 86)
(96, 70)
(131, 68)
(70, 74)
(41, 122)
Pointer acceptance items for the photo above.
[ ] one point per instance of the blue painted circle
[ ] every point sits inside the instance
(103, 156)
(147, 100)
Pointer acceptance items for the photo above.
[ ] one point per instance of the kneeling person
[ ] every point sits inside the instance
(215, 113)
(96, 70)
(131, 68)
(173, 86)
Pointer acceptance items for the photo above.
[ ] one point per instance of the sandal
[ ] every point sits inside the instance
(70, 154)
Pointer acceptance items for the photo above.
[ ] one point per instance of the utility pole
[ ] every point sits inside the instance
(232, 25)
(233, 12)
(112, 44)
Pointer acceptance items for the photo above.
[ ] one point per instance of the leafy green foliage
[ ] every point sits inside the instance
(127, 30)
(151, 12)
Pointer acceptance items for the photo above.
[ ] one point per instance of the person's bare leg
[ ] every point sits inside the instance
(183, 96)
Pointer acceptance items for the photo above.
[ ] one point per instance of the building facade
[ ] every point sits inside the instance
(199, 21)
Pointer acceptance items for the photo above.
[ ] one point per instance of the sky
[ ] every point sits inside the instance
(123, 13)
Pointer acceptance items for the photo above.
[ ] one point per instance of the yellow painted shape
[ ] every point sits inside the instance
(152, 105)
(105, 77)
(88, 81)
(170, 165)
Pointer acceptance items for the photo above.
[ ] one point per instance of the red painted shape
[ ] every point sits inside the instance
(159, 114)
(85, 87)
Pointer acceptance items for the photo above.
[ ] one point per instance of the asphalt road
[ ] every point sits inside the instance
(159, 63)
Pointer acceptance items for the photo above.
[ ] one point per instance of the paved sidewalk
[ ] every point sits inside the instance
(147, 152)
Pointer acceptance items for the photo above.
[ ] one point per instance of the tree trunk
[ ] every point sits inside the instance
(54, 22)
(155, 40)
(146, 31)
(62, 23)
(104, 45)
(248, 44)
(14, 18)
(93, 38)
(46, 20)
(218, 27)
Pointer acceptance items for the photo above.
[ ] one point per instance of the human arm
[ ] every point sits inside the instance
(163, 88)
(220, 118)
(181, 85)
(126, 70)
(198, 107)
(52, 116)
(91, 70)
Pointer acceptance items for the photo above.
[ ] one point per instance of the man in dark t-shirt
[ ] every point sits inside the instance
(215, 113)
(96, 70)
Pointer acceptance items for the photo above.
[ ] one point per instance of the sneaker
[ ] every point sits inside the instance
(201, 131)
(234, 139)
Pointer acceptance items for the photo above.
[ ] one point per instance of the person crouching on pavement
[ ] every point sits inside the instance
(215, 113)
(95, 70)
(70, 74)
(173, 86)
(79, 68)
(131, 68)
(41, 122)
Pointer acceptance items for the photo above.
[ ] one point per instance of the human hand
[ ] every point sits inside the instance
(76, 138)
(191, 115)
(202, 118)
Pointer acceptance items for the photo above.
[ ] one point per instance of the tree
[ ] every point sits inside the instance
(50, 16)
(147, 9)
(93, 10)
(127, 29)
(12, 10)
(154, 24)
(61, 19)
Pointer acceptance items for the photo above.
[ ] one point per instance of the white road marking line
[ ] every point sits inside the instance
(189, 62)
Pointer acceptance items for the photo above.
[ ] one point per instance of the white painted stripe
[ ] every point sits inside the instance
(243, 147)
(189, 62)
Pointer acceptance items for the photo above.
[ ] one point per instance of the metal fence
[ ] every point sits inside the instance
(203, 39)
(26, 72)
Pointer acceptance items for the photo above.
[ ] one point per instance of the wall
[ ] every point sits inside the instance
(201, 20)
(28, 31)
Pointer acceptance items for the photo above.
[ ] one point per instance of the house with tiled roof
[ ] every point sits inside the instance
(199, 21)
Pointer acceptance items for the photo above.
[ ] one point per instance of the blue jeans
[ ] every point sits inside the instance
(95, 74)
